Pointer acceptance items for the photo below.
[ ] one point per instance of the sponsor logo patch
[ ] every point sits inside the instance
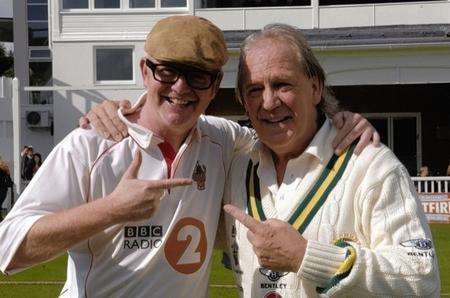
(272, 275)
(199, 176)
(422, 244)
(142, 237)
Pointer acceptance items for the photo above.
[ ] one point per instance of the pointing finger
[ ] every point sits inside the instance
(248, 221)
(169, 183)
(133, 169)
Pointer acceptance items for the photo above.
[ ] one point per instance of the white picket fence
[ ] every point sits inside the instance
(438, 184)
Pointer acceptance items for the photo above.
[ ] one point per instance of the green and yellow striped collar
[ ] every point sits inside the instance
(316, 197)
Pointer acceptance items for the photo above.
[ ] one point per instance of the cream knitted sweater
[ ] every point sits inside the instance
(373, 210)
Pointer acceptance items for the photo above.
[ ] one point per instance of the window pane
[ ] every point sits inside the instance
(37, 13)
(173, 3)
(37, 1)
(68, 4)
(41, 75)
(107, 3)
(114, 64)
(37, 54)
(142, 3)
(37, 33)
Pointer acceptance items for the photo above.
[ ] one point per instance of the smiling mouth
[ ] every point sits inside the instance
(276, 121)
(178, 101)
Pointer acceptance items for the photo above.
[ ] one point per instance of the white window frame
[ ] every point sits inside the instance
(125, 7)
(114, 82)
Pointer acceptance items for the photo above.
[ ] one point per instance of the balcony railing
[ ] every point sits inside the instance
(432, 184)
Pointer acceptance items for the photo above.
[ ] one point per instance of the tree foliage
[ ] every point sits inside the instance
(6, 63)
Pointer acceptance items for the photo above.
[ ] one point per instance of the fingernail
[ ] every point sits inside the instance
(117, 137)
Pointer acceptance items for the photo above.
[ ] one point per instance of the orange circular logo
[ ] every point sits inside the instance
(186, 245)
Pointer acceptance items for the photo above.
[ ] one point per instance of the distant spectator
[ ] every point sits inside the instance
(424, 171)
(27, 164)
(5, 183)
(37, 162)
(448, 170)
(24, 151)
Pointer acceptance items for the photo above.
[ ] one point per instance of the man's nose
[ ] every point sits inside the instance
(181, 86)
(271, 100)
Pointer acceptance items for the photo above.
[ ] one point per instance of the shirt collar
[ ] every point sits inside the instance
(145, 137)
(320, 146)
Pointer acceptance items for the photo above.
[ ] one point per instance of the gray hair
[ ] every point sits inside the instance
(308, 63)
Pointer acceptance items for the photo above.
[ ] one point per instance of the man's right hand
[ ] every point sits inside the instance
(134, 199)
(104, 119)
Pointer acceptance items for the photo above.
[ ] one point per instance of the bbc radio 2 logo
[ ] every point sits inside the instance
(142, 237)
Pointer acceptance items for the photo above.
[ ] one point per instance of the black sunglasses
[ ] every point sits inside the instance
(169, 74)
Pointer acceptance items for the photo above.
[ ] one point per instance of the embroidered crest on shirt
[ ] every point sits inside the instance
(347, 237)
(199, 176)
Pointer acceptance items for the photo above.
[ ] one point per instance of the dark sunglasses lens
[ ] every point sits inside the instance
(199, 80)
(166, 74)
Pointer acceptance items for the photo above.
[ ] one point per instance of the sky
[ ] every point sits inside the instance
(6, 10)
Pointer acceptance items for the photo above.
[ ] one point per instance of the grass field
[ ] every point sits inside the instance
(47, 280)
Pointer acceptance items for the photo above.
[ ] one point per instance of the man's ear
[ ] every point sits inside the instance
(217, 83)
(317, 90)
(144, 71)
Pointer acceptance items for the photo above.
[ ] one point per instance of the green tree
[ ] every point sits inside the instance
(6, 63)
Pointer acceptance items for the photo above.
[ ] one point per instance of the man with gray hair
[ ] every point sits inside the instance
(306, 222)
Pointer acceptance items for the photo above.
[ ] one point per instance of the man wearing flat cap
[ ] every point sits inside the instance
(138, 217)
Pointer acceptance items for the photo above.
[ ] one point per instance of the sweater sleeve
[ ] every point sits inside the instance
(397, 256)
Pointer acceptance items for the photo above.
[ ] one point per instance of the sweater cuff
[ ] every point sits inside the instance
(321, 262)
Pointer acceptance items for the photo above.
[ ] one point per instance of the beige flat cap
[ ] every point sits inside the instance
(188, 40)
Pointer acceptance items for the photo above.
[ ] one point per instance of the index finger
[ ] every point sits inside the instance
(252, 224)
(169, 183)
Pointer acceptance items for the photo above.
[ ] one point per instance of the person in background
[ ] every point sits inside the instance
(424, 171)
(24, 151)
(27, 164)
(5, 183)
(37, 162)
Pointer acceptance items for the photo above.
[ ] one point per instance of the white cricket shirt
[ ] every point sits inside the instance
(164, 256)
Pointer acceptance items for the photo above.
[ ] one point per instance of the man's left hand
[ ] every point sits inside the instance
(277, 244)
